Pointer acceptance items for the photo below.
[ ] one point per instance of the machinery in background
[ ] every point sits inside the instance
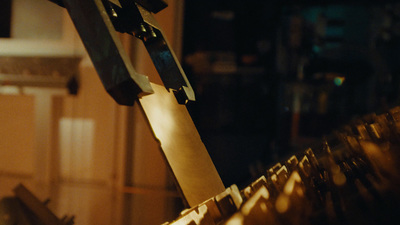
(352, 177)
(26, 209)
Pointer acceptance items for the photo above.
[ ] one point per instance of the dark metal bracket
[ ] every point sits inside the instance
(97, 22)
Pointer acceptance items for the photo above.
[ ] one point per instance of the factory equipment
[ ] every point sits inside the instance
(350, 178)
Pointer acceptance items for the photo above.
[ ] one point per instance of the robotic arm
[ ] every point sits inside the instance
(97, 22)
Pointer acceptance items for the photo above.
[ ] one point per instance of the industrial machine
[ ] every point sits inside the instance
(97, 22)
(350, 178)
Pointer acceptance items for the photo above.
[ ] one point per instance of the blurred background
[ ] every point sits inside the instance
(271, 78)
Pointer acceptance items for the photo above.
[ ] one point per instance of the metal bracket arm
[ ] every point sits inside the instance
(97, 22)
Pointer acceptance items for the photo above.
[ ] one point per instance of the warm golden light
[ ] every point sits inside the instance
(289, 187)
(237, 219)
(339, 179)
(182, 146)
(263, 207)
(282, 203)
(262, 193)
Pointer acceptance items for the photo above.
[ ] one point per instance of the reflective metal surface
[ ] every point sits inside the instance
(137, 20)
(97, 22)
(185, 153)
(351, 177)
(106, 52)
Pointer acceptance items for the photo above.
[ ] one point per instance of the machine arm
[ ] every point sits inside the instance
(97, 22)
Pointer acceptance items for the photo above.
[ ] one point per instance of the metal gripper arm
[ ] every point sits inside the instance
(97, 22)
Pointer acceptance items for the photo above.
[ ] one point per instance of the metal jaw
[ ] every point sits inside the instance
(97, 22)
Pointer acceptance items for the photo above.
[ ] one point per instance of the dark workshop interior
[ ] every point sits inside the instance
(271, 79)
